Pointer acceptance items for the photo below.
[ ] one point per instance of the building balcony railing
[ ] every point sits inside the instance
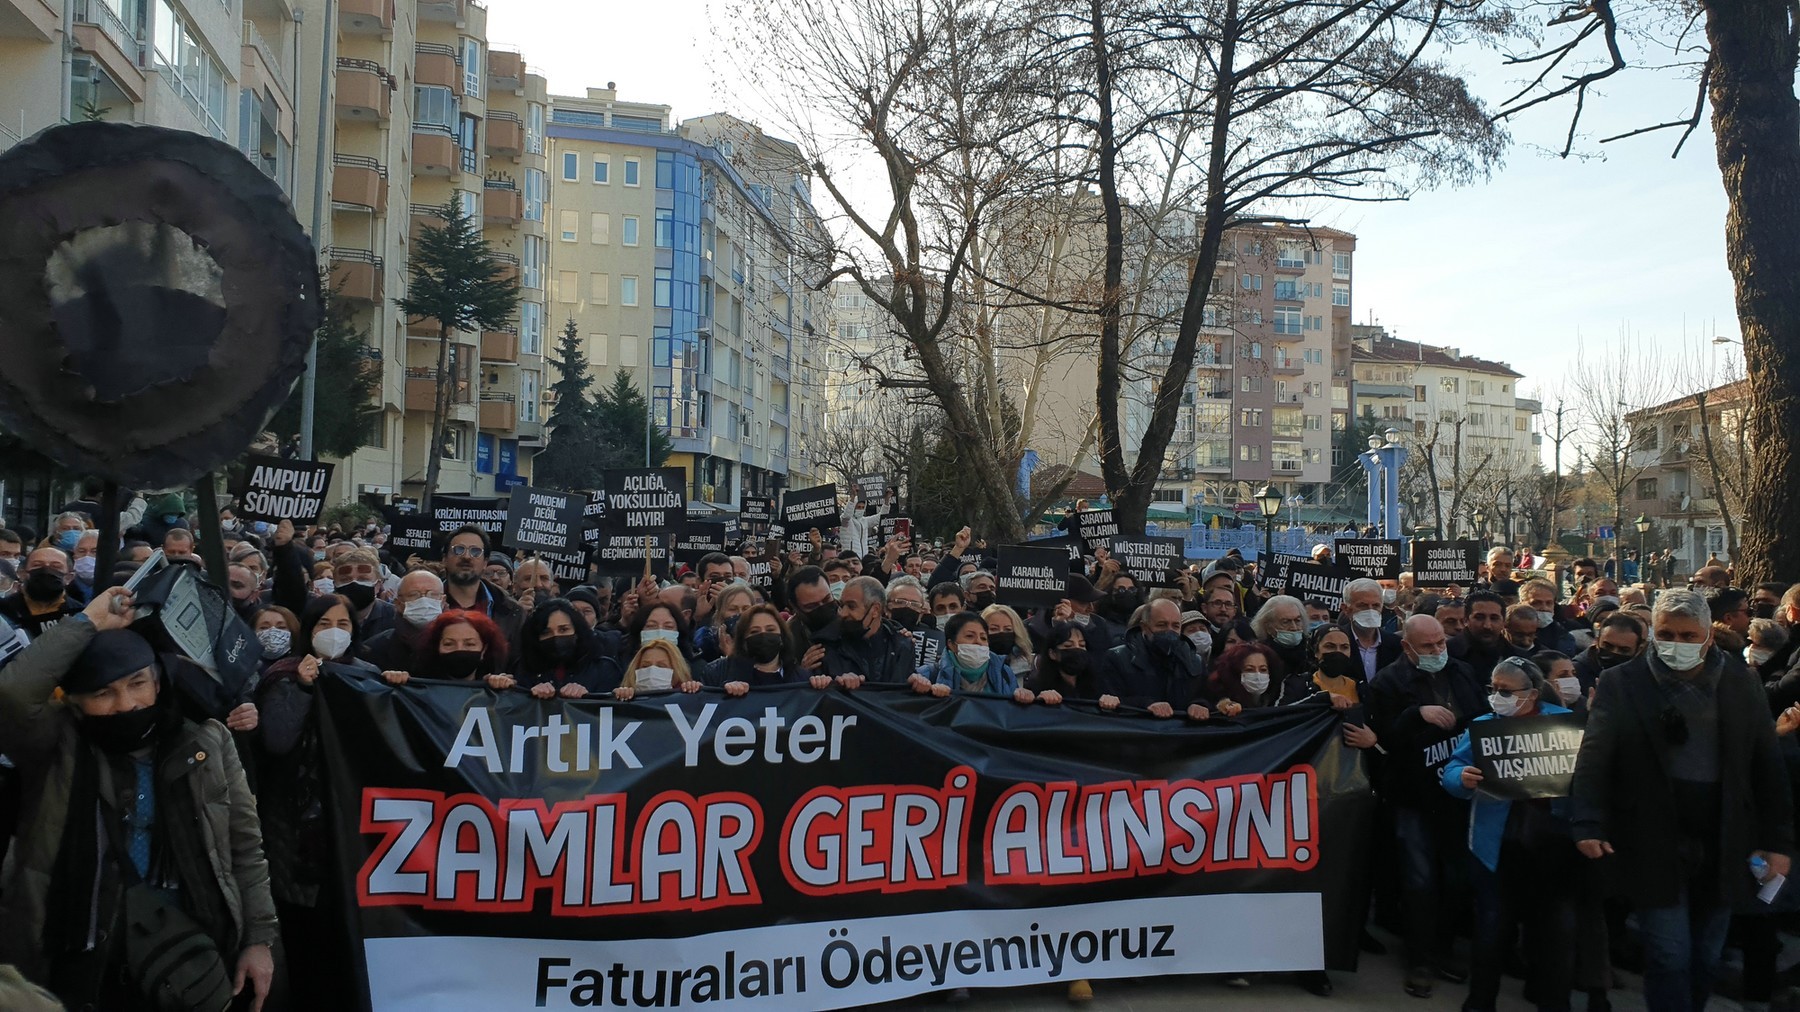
(437, 65)
(364, 90)
(499, 410)
(98, 14)
(360, 181)
(505, 133)
(434, 150)
(506, 69)
(366, 17)
(356, 273)
(500, 345)
(253, 40)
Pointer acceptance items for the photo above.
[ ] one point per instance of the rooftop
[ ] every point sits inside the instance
(1381, 348)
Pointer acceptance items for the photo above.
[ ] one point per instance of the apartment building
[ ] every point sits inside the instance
(424, 112)
(864, 347)
(1680, 462)
(679, 253)
(1257, 407)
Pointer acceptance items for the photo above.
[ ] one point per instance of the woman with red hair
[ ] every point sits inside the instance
(458, 646)
(1247, 676)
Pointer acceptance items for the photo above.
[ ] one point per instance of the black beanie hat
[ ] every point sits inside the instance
(109, 656)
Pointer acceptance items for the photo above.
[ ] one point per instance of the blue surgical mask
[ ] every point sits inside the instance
(1431, 664)
(657, 635)
(66, 540)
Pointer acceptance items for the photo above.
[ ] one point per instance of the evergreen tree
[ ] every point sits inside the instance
(574, 456)
(344, 408)
(457, 283)
(622, 416)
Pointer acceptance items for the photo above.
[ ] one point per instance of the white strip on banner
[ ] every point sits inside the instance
(836, 964)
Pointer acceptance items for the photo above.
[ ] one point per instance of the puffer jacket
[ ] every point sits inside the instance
(41, 737)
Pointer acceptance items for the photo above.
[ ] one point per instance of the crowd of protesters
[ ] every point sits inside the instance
(120, 807)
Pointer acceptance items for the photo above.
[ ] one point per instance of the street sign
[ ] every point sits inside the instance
(1603, 534)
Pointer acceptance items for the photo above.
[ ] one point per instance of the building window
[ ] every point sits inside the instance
(1418, 393)
(569, 224)
(436, 107)
(1449, 384)
(531, 328)
(1340, 295)
(1256, 350)
(188, 68)
(1646, 488)
(1288, 290)
(628, 348)
(1248, 451)
(1340, 265)
(631, 171)
(1313, 455)
(471, 62)
(1315, 355)
(534, 194)
(1250, 384)
(665, 229)
(1313, 422)
(1478, 420)
(1250, 416)
(660, 288)
(1289, 256)
(1251, 282)
(533, 261)
(566, 286)
(601, 286)
(571, 166)
(534, 128)
(528, 396)
(628, 290)
(597, 347)
(1287, 320)
(600, 228)
(1477, 388)
(628, 230)
(602, 169)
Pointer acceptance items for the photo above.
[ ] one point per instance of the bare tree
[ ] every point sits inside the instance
(1448, 473)
(1282, 101)
(1719, 431)
(1743, 66)
(1609, 388)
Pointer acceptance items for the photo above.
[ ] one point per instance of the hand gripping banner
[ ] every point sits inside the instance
(795, 849)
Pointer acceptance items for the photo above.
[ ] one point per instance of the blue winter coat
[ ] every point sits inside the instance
(1487, 816)
(1000, 678)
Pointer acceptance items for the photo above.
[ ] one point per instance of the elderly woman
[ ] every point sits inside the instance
(1281, 623)
(1246, 677)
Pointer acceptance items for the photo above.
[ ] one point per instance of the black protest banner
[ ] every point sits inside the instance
(645, 500)
(1375, 558)
(274, 490)
(569, 570)
(754, 510)
(1526, 757)
(617, 553)
(1066, 543)
(762, 573)
(871, 489)
(1306, 579)
(1442, 563)
(892, 527)
(448, 512)
(1275, 573)
(542, 522)
(809, 509)
(700, 849)
(1096, 528)
(1027, 576)
(1151, 561)
(411, 534)
(928, 646)
(697, 539)
(593, 512)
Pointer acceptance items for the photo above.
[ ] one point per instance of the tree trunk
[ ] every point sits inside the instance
(440, 407)
(1107, 392)
(1756, 124)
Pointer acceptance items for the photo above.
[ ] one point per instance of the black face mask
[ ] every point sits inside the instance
(360, 595)
(1002, 643)
(1075, 662)
(1609, 659)
(1765, 609)
(560, 647)
(121, 733)
(1340, 666)
(44, 585)
(852, 632)
(977, 602)
(459, 665)
(763, 647)
(905, 618)
(820, 617)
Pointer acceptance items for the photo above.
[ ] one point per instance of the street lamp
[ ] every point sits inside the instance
(1481, 525)
(1269, 502)
(1643, 526)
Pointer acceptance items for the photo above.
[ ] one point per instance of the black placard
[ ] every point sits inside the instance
(543, 522)
(756, 509)
(808, 509)
(871, 489)
(1096, 528)
(622, 554)
(1027, 576)
(274, 490)
(412, 534)
(640, 500)
(1442, 563)
(699, 539)
(1151, 561)
(448, 512)
(1375, 558)
(1526, 757)
(1306, 579)
(1275, 571)
(928, 646)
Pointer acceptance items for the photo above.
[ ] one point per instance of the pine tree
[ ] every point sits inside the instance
(344, 412)
(572, 459)
(622, 417)
(456, 282)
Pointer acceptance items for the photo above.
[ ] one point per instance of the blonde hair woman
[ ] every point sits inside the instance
(1008, 640)
(657, 667)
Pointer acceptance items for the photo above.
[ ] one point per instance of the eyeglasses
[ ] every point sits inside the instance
(356, 570)
(467, 551)
(1508, 693)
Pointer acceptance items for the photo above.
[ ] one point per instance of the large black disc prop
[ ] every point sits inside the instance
(158, 300)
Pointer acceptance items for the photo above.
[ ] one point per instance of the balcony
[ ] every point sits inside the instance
(509, 266)
(1292, 334)
(360, 181)
(356, 274)
(423, 215)
(499, 410)
(424, 326)
(443, 11)
(421, 390)
(501, 202)
(500, 346)
(99, 32)
(436, 64)
(506, 71)
(1287, 467)
(30, 19)
(434, 150)
(363, 92)
(366, 17)
(1289, 366)
(505, 134)
(273, 68)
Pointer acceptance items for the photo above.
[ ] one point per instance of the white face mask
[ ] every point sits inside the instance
(1544, 618)
(420, 611)
(653, 678)
(1202, 641)
(1080, 619)
(1756, 655)
(1389, 595)
(1368, 618)
(1431, 664)
(84, 568)
(973, 656)
(1570, 688)
(1256, 681)
(1503, 706)
(324, 585)
(1681, 656)
(657, 636)
(837, 590)
(331, 643)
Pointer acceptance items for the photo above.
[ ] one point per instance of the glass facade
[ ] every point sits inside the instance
(679, 375)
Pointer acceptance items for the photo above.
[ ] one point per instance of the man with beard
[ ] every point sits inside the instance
(1482, 642)
(419, 601)
(861, 645)
(814, 611)
(465, 558)
(354, 576)
(42, 599)
(1619, 639)
(1156, 669)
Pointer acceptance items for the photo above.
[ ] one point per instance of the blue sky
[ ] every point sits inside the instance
(1548, 256)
